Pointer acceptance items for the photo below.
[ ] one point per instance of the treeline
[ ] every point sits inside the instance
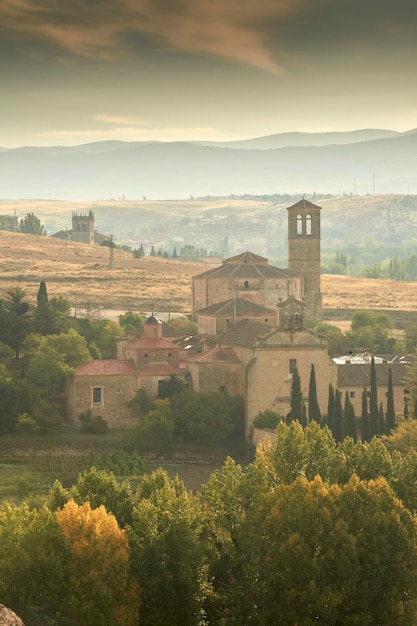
(311, 531)
(372, 261)
(376, 419)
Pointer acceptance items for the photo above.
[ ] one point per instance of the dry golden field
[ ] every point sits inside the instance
(82, 273)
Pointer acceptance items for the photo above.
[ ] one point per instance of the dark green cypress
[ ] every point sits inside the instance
(314, 413)
(381, 420)
(390, 405)
(296, 406)
(365, 416)
(338, 431)
(373, 403)
(330, 408)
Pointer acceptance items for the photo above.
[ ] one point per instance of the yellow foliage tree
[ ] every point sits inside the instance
(101, 591)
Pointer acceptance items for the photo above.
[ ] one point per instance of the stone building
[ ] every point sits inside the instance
(253, 318)
(83, 228)
(106, 386)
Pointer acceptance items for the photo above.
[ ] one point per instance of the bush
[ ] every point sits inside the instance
(268, 419)
(95, 424)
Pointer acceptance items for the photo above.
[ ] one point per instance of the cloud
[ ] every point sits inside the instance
(132, 133)
(232, 29)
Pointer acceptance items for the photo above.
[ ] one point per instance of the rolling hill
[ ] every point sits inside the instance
(361, 162)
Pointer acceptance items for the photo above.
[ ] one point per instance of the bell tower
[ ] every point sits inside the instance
(83, 228)
(304, 243)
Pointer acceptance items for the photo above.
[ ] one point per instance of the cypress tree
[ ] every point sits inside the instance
(365, 416)
(330, 408)
(42, 296)
(349, 419)
(296, 406)
(313, 404)
(390, 405)
(381, 420)
(373, 403)
(338, 431)
(406, 408)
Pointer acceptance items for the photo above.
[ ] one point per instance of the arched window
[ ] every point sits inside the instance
(246, 284)
(308, 224)
(299, 224)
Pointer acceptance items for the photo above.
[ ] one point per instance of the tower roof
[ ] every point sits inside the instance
(303, 204)
(152, 319)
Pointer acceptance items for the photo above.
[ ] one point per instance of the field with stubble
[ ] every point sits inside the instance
(83, 274)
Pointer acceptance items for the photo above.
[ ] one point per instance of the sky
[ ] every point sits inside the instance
(79, 71)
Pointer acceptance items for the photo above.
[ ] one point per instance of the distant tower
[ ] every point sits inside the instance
(83, 228)
(304, 252)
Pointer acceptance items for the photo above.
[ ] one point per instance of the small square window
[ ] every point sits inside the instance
(352, 394)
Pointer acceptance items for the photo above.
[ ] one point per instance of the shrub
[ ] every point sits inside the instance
(95, 424)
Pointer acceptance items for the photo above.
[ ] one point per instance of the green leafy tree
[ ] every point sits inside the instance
(268, 419)
(47, 319)
(131, 322)
(168, 552)
(168, 388)
(31, 225)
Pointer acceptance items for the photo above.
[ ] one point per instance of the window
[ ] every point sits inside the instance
(293, 365)
(222, 389)
(308, 225)
(246, 284)
(352, 394)
(299, 224)
(97, 395)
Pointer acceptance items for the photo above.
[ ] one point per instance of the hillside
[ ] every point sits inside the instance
(181, 169)
(82, 273)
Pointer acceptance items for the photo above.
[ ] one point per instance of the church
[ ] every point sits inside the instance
(251, 319)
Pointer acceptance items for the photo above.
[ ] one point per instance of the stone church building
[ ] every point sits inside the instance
(252, 317)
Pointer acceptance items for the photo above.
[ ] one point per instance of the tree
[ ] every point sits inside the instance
(313, 405)
(152, 253)
(390, 405)
(349, 419)
(99, 567)
(48, 320)
(330, 408)
(168, 388)
(365, 435)
(31, 225)
(338, 431)
(169, 552)
(15, 319)
(33, 561)
(373, 402)
(131, 322)
(296, 402)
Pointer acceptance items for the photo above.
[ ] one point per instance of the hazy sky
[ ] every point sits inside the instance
(75, 71)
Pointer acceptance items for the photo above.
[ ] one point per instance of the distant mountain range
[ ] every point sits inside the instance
(358, 162)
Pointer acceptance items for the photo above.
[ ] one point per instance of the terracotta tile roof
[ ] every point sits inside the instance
(160, 369)
(246, 333)
(236, 306)
(152, 344)
(216, 355)
(106, 367)
(251, 334)
(358, 375)
(246, 265)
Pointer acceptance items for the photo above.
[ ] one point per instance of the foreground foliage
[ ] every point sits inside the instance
(311, 531)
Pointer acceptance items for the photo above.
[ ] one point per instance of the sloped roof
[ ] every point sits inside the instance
(359, 375)
(152, 344)
(160, 369)
(251, 334)
(303, 204)
(216, 355)
(106, 367)
(236, 306)
(246, 265)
